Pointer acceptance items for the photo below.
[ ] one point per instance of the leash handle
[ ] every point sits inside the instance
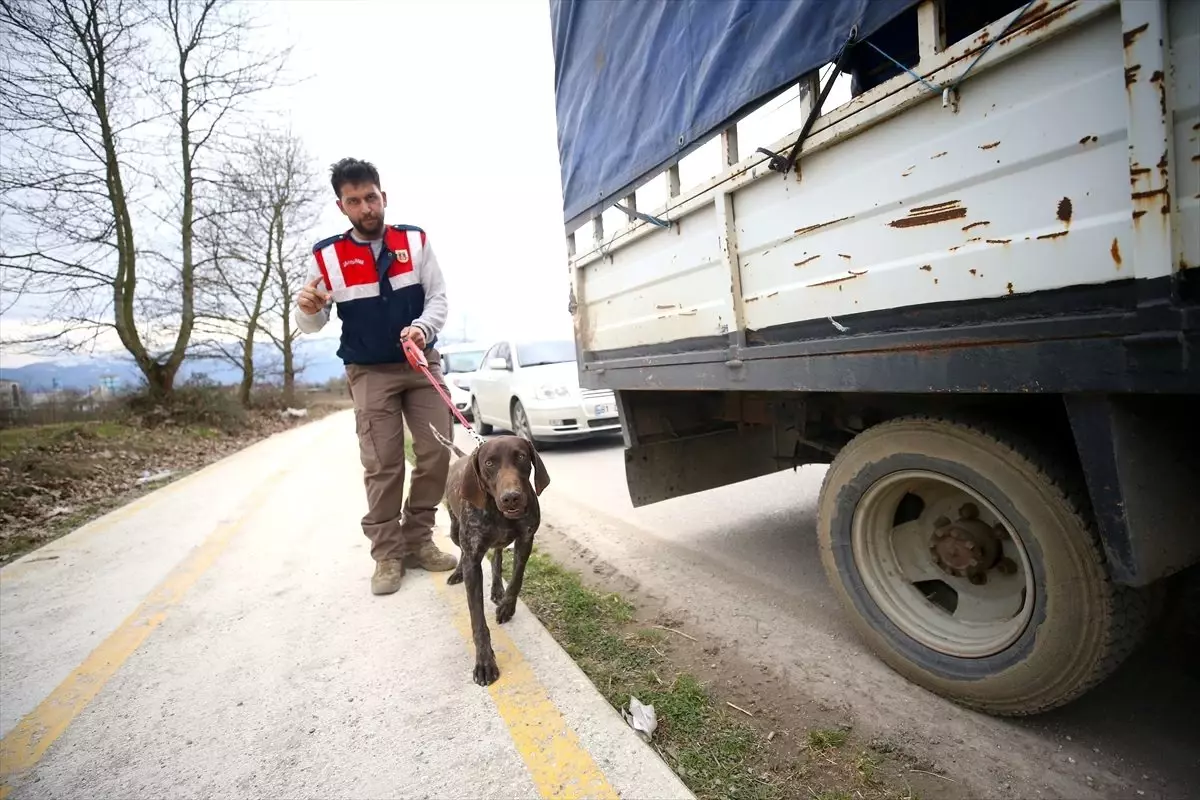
(416, 360)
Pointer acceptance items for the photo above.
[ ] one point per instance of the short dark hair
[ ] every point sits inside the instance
(352, 170)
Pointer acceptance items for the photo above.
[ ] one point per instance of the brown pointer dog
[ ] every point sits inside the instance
(492, 505)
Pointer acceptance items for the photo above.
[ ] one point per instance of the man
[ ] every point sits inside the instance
(387, 286)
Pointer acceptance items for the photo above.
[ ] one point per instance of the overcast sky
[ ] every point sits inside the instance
(453, 101)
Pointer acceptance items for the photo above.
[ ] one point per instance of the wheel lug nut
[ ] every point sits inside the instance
(978, 578)
(1007, 566)
(968, 511)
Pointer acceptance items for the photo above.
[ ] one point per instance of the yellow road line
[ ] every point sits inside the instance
(26, 743)
(557, 762)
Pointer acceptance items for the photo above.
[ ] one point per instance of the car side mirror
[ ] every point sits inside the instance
(497, 363)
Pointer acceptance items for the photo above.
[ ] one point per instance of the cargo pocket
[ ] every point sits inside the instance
(367, 451)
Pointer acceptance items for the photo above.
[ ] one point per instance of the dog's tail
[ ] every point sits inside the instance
(449, 445)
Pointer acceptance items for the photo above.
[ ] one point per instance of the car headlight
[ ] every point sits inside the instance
(551, 392)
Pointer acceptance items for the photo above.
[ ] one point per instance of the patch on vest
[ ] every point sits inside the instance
(402, 256)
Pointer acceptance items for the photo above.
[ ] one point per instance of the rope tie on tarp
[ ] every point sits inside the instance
(951, 86)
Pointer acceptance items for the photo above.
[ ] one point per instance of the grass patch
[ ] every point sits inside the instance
(714, 754)
(827, 739)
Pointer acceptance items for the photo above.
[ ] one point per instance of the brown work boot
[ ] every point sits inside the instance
(388, 573)
(428, 557)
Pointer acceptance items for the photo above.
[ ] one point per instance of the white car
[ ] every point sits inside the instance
(532, 389)
(459, 365)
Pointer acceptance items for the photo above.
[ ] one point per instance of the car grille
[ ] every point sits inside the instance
(598, 395)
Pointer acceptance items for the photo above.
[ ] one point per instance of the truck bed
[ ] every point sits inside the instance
(1040, 232)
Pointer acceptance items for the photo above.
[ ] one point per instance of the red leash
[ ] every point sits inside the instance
(416, 360)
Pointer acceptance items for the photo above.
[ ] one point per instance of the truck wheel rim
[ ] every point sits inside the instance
(942, 564)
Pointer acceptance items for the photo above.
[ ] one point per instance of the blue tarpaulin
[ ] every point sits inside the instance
(637, 83)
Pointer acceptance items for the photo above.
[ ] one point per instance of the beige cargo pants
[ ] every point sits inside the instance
(386, 396)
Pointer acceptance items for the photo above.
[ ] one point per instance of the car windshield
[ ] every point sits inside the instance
(466, 361)
(535, 354)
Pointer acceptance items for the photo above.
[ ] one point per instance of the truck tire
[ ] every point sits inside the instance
(967, 561)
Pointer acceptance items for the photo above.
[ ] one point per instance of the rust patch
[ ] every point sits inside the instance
(976, 225)
(1157, 79)
(1046, 19)
(1116, 252)
(1196, 158)
(1131, 75)
(1053, 235)
(811, 228)
(935, 281)
(1138, 215)
(1089, 139)
(843, 255)
(1065, 209)
(808, 260)
(930, 215)
(665, 306)
(1138, 172)
(998, 241)
(842, 279)
(1010, 287)
(989, 146)
(972, 271)
(1131, 36)
(938, 155)
(1152, 193)
(927, 267)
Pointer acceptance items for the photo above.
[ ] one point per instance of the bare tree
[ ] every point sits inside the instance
(76, 112)
(214, 71)
(270, 192)
(69, 112)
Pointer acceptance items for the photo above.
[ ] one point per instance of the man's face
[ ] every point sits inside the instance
(364, 204)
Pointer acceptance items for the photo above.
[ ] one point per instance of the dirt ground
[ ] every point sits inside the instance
(789, 723)
(54, 478)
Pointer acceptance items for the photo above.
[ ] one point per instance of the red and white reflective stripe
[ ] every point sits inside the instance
(416, 242)
(342, 292)
(409, 278)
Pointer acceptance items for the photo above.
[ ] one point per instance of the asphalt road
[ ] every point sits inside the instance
(218, 638)
(741, 564)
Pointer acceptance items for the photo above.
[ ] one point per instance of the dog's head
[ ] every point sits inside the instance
(501, 468)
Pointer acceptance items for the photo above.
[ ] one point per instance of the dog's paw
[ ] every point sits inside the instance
(505, 610)
(486, 672)
(454, 579)
(497, 596)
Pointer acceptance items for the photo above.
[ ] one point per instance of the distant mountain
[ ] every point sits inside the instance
(319, 359)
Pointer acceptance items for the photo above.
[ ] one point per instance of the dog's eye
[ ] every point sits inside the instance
(489, 463)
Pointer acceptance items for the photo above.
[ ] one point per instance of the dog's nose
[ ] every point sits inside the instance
(510, 499)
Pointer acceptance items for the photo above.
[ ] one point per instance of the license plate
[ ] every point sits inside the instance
(604, 411)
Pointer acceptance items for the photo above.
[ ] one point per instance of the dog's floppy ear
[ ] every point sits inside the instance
(472, 482)
(541, 478)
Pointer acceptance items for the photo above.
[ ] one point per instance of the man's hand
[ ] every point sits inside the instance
(414, 333)
(312, 298)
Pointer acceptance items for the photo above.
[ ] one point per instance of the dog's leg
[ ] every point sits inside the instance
(456, 577)
(497, 574)
(486, 669)
(508, 605)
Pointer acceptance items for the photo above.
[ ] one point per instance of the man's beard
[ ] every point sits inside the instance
(370, 229)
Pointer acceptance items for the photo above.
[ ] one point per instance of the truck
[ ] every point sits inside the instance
(968, 286)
